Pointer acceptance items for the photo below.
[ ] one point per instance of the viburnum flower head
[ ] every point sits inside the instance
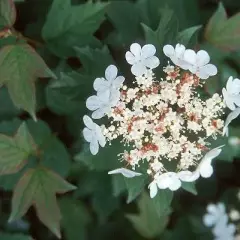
(161, 120)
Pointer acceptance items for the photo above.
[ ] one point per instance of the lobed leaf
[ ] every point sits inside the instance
(15, 151)
(20, 66)
(222, 32)
(148, 223)
(38, 187)
(69, 25)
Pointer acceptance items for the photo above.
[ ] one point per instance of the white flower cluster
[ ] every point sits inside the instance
(162, 122)
(217, 219)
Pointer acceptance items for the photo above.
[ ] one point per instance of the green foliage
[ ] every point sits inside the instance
(39, 186)
(14, 151)
(20, 83)
(6, 236)
(223, 32)
(75, 217)
(68, 25)
(148, 223)
(51, 51)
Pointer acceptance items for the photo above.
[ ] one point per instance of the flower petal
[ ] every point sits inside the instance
(229, 119)
(93, 103)
(202, 58)
(166, 179)
(94, 147)
(138, 69)
(99, 113)
(190, 56)
(148, 50)
(175, 184)
(125, 172)
(100, 137)
(202, 74)
(136, 49)
(153, 189)
(229, 85)
(179, 50)
(130, 58)
(111, 73)
(209, 69)
(168, 50)
(88, 122)
(206, 170)
(187, 176)
(209, 220)
(87, 134)
(228, 100)
(100, 84)
(118, 81)
(151, 62)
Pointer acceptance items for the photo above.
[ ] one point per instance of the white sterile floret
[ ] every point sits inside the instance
(176, 55)
(205, 168)
(111, 81)
(234, 114)
(215, 212)
(125, 172)
(169, 180)
(234, 141)
(142, 58)
(199, 63)
(102, 103)
(224, 230)
(231, 93)
(234, 215)
(188, 176)
(93, 134)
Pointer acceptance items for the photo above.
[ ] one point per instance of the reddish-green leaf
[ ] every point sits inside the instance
(15, 151)
(38, 187)
(7, 13)
(20, 66)
(222, 32)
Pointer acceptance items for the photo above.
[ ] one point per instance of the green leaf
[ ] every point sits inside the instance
(75, 219)
(222, 32)
(69, 25)
(185, 36)
(162, 202)
(65, 95)
(38, 187)
(165, 32)
(52, 152)
(189, 187)
(106, 159)
(94, 61)
(7, 13)
(103, 202)
(15, 151)
(8, 236)
(147, 222)
(20, 66)
(8, 109)
(135, 186)
(118, 184)
(124, 17)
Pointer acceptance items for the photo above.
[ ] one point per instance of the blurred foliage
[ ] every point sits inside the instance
(50, 53)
